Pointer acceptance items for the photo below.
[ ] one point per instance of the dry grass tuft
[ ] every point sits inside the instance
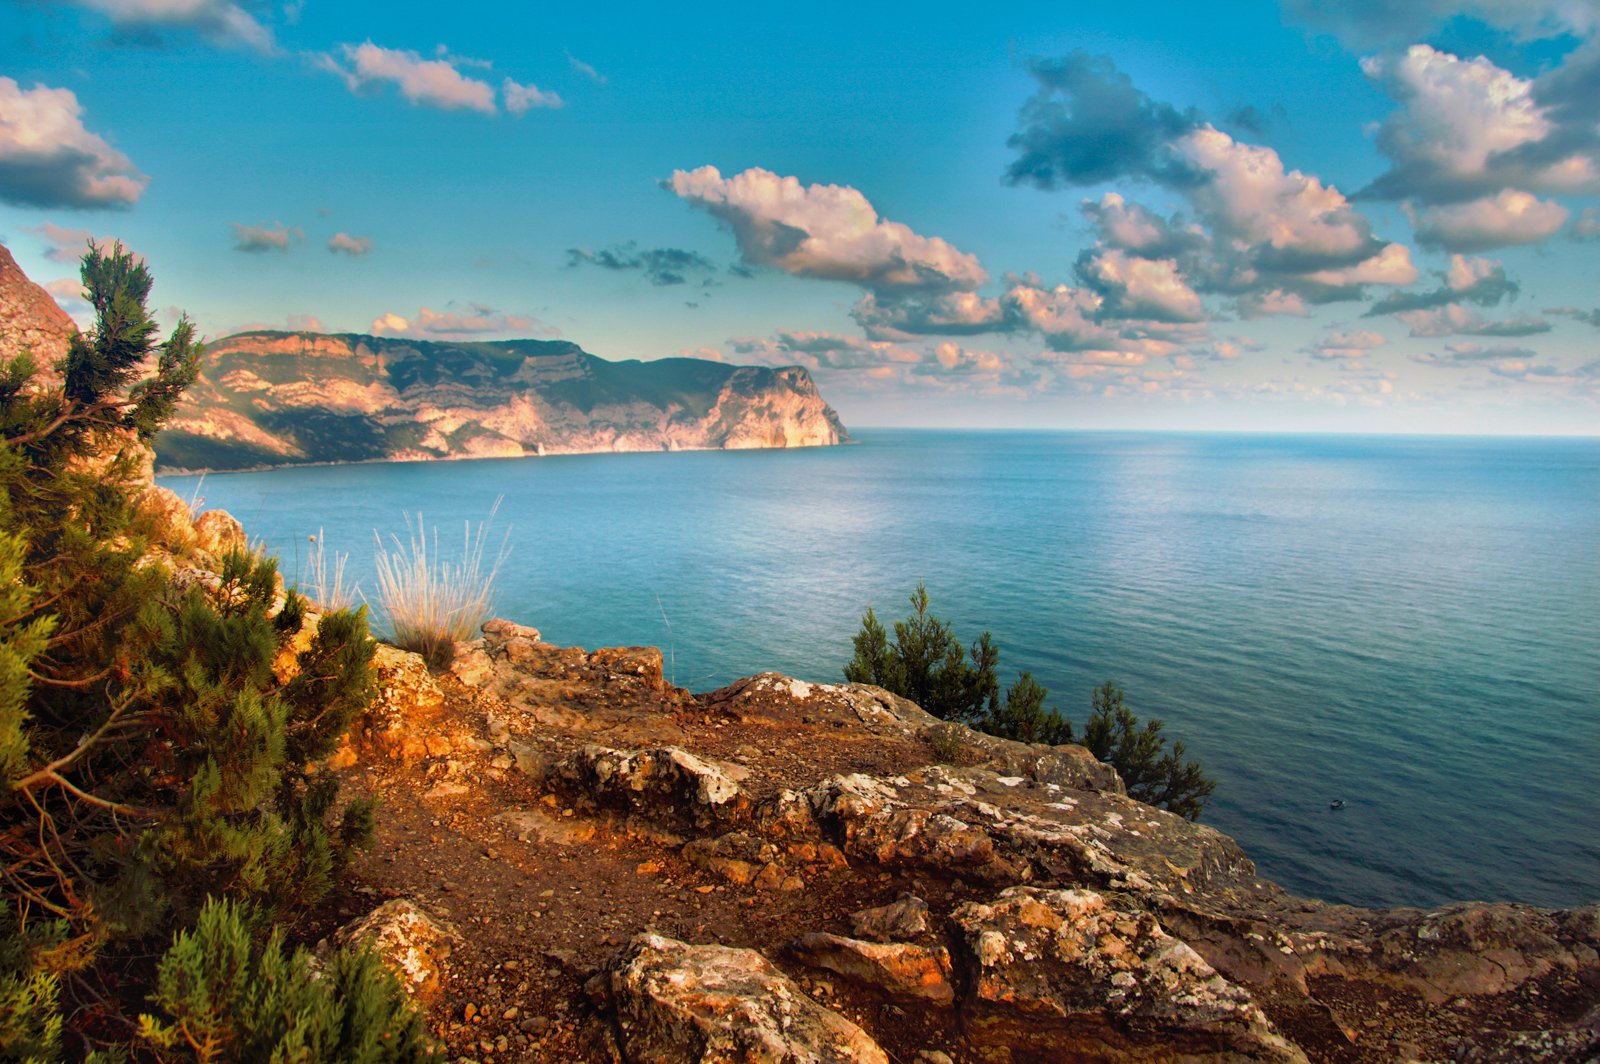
(328, 589)
(431, 604)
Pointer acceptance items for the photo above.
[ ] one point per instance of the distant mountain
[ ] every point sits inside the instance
(277, 398)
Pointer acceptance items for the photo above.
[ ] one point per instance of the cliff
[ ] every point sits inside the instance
(273, 398)
(30, 320)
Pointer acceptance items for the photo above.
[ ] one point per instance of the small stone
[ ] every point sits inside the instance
(791, 884)
(511, 1013)
(469, 1012)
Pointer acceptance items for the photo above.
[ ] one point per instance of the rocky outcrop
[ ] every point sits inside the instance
(30, 320)
(271, 398)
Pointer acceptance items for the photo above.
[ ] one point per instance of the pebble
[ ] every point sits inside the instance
(469, 1012)
(511, 1013)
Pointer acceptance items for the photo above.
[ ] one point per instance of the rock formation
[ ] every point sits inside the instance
(271, 398)
(30, 320)
(788, 871)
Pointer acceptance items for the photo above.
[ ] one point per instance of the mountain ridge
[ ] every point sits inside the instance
(269, 398)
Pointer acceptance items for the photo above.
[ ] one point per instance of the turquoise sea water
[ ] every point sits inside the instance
(1409, 624)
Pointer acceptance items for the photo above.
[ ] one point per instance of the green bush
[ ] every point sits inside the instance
(224, 1000)
(925, 662)
(154, 749)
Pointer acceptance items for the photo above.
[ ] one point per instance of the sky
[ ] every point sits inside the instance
(1286, 215)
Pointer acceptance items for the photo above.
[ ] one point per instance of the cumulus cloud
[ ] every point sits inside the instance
(218, 21)
(424, 82)
(1453, 319)
(265, 236)
(1133, 287)
(520, 99)
(48, 159)
(1132, 227)
(1347, 346)
(824, 231)
(1367, 23)
(1468, 280)
(478, 320)
(66, 245)
(1466, 127)
(1508, 218)
(345, 244)
(1272, 237)
(899, 317)
(661, 266)
(1088, 123)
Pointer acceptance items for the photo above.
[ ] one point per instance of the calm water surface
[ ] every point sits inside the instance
(1409, 624)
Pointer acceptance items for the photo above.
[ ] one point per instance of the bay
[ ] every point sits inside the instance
(1407, 624)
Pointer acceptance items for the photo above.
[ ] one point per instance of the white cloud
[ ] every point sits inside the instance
(824, 231)
(430, 82)
(66, 245)
(1346, 345)
(520, 99)
(436, 324)
(354, 246)
(216, 20)
(48, 159)
(1453, 318)
(1251, 196)
(1507, 218)
(892, 317)
(1135, 287)
(1469, 129)
(265, 236)
(586, 70)
(1586, 226)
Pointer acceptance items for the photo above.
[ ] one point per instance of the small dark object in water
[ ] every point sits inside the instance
(1337, 803)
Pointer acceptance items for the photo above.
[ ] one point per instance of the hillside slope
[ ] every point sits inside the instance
(276, 398)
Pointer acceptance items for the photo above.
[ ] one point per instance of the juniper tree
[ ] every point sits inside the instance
(1151, 772)
(155, 739)
(925, 662)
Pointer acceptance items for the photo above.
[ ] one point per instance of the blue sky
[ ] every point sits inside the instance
(1253, 216)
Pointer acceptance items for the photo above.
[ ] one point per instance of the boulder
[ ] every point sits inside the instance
(674, 1003)
(911, 973)
(410, 942)
(902, 919)
(666, 785)
(1078, 971)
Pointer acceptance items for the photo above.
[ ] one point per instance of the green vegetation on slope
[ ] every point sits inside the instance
(157, 753)
(926, 663)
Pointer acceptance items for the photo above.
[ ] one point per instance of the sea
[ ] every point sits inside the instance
(1409, 626)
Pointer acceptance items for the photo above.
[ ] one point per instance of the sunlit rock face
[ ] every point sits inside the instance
(272, 398)
(31, 321)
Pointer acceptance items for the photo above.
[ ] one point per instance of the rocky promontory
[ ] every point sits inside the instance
(283, 398)
(791, 871)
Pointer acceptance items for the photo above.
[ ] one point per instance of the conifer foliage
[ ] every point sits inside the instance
(926, 663)
(156, 735)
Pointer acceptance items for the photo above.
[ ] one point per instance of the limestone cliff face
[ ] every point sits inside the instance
(272, 398)
(31, 320)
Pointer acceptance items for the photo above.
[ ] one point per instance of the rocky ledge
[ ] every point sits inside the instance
(274, 398)
(783, 871)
